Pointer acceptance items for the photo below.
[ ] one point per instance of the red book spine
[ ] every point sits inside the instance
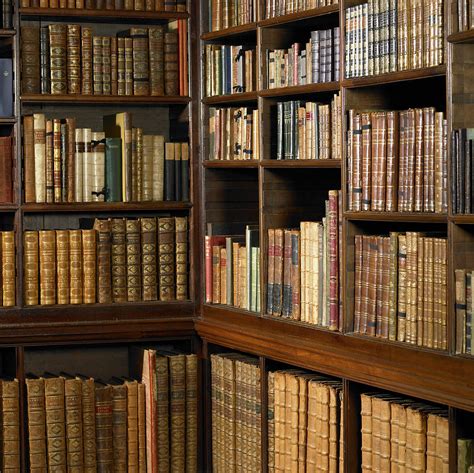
(208, 253)
(333, 262)
(6, 176)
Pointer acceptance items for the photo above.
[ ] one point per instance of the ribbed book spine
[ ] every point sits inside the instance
(86, 63)
(97, 65)
(104, 259)
(119, 420)
(47, 252)
(11, 426)
(89, 248)
(31, 267)
(177, 365)
(30, 53)
(75, 267)
(166, 258)
(36, 425)
(78, 165)
(134, 279)
(149, 259)
(55, 424)
(119, 261)
(98, 166)
(73, 59)
(45, 61)
(181, 258)
(171, 67)
(104, 428)
(62, 266)
(74, 436)
(39, 129)
(58, 58)
(156, 51)
(89, 425)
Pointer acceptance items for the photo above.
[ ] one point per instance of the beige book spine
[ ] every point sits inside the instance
(11, 426)
(89, 266)
(75, 266)
(62, 266)
(74, 436)
(366, 430)
(8, 268)
(55, 424)
(31, 267)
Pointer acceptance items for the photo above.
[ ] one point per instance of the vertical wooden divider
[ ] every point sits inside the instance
(352, 424)
(452, 413)
(206, 407)
(264, 413)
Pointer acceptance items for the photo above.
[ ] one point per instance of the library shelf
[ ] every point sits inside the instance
(249, 28)
(231, 98)
(421, 217)
(231, 164)
(105, 99)
(7, 33)
(106, 207)
(300, 89)
(299, 16)
(301, 163)
(462, 37)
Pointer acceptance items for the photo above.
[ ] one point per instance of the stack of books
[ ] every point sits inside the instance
(70, 59)
(236, 413)
(136, 5)
(84, 424)
(397, 161)
(64, 163)
(384, 37)
(233, 269)
(398, 432)
(401, 288)
(304, 269)
(8, 271)
(309, 130)
(234, 134)
(229, 69)
(464, 339)
(228, 13)
(275, 8)
(317, 62)
(119, 260)
(305, 422)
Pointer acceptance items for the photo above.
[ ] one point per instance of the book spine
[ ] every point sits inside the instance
(97, 166)
(55, 423)
(132, 426)
(47, 251)
(73, 59)
(89, 246)
(31, 267)
(30, 65)
(73, 414)
(119, 261)
(106, 66)
(58, 58)
(104, 259)
(104, 428)
(39, 129)
(97, 65)
(119, 428)
(75, 267)
(86, 63)
(11, 425)
(134, 277)
(181, 270)
(62, 266)
(70, 160)
(148, 250)
(171, 69)
(191, 441)
(141, 82)
(36, 425)
(166, 258)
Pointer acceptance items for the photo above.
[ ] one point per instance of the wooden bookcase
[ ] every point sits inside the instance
(282, 193)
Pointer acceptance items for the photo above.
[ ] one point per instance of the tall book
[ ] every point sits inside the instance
(11, 426)
(119, 260)
(177, 367)
(149, 258)
(58, 57)
(36, 425)
(104, 260)
(47, 251)
(30, 55)
(181, 262)
(191, 413)
(89, 248)
(73, 414)
(134, 277)
(88, 423)
(166, 258)
(171, 67)
(104, 426)
(119, 429)
(75, 267)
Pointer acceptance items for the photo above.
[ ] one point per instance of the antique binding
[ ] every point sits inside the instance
(58, 48)
(75, 266)
(39, 130)
(177, 368)
(132, 426)
(73, 59)
(10, 390)
(119, 430)
(182, 258)
(104, 426)
(89, 242)
(45, 61)
(191, 413)
(74, 435)
(36, 424)
(47, 266)
(6, 169)
(86, 63)
(104, 258)
(30, 55)
(156, 52)
(134, 278)
(171, 69)
(119, 261)
(149, 258)
(88, 423)
(62, 266)
(166, 258)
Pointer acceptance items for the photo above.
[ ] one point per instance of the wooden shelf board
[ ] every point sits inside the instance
(400, 76)
(106, 207)
(232, 164)
(229, 310)
(104, 99)
(430, 375)
(7, 120)
(300, 89)
(8, 207)
(462, 37)
(298, 323)
(231, 98)
(299, 16)
(303, 163)
(420, 217)
(233, 31)
(6, 33)
(466, 219)
(104, 15)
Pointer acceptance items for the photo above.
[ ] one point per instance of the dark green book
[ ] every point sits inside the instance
(113, 170)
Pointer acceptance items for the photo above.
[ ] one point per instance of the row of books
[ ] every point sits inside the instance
(137, 5)
(397, 161)
(462, 172)
(229, 69)
(8, 271)
(317, 62)
(64, 163)
(70, 59)
(304, 268)
(77, 423)
(463, 301)
(7, 169)
(465, 458)
(233, 269)
(228, 13)
(119, 260)
(10, 460)
(234, 134)
(309, 130)
(401, 434)
(401, 288)
(305, 422)
(274, 8)
(7, 14)
(465, 14)
(385, 36)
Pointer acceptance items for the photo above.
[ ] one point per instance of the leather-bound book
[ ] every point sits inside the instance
(185, 172)
(158, 167)
(79, 165)
(128, 66)
(98, 166)
(368, 159)
(159, 5)
(75, 267)
(106, 66)
(86, 62)
(166, 258)
(287, 296)
(142, 467)
(120, 66)
(271, 421)
(74, 435)
(149, 258)
(45, 61)
(191, 413)
(36, 425)
(56, 159)
(156, 51)
(134, 279)
(147, 169)
(55, 422)
(181, 225)
(139, 5)
(87, 166)
(89, 242)
(47, 253)
(62, 266)
(392, 161)
(88, 423)
(171, 76)
(278, 277)
(402, 288)
(366, 431)
(141, 79)
(49, 158)
(170, 5)
(132, 425)
(119, 260)
(139, 165)
(31, 267)
(119, 420)
(6, 168)
(177, 172)
(58, 57)
(39, 129)
(134, 165)
(216, 274)
(104, 427)
(104, 260)
(113, 66)
(7, 20)
(73, 59)
(70, 162)
(29, 158)
(97, 65)
(177, 365)
(270, 269)
(169, 172)
(162, 412)
(113, 170)
(30, 55)
(11, 426)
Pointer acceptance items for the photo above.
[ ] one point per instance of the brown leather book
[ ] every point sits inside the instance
(141, 79)
(216, 274)
(113, 66)
(369, 159)
(75, 267)
(104, 427)
(156, 51)
(89, 248)
(62, 266)
(74, 435)
(11, 426)
(29, 158)
(139, 165)
(58, 57)
(182, 259)
(171, 75)
(132, 426)
(6, 169)
(121, 66)
(419, 161)
(392, 161)
(191, 413)
(106, 66)
(88, 423)
(278, 280)
(97, 65)
(86, 63)
(163, 412)
(439, 206)
(47, 257)
(129, 85)
(177, 365)
(402, 288)
(166, 258)
(142, 467)
(31, 267)
(119, 419)
(30, 60)
(104, 260)
(7, 240)
(134, 279)
(119, 260)
(149, 258)
(55, 422)
(73, 59)
(70, 158)
(49, 159)
(56, 160)
(139, 5)
(36, 425)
